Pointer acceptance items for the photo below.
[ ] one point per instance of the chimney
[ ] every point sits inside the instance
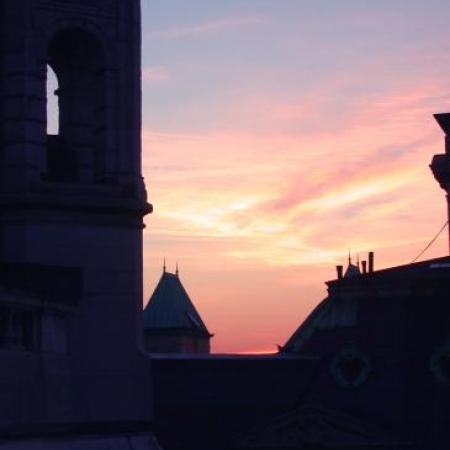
(371, 262)
(364, 266)
(340, 272)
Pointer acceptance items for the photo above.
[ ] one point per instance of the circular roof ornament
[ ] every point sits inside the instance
(350, 367)
(440, 364)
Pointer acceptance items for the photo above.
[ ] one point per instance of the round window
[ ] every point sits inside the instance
(440, 364)
(350, 367)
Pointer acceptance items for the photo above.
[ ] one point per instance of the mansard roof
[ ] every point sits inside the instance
(426, 280)
(430, 272)
(170, 308)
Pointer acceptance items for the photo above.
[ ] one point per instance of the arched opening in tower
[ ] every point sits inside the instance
(76, 153)
(52, 102)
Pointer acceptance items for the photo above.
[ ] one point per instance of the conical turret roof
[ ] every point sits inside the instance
(170, 308)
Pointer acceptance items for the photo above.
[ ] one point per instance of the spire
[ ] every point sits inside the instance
(177, 272)
(164, 265)
(349, 257)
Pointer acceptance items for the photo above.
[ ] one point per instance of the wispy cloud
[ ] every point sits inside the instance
(299, 199)
(206, 27)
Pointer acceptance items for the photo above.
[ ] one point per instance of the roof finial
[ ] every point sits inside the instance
(164, 266)
(177, 270)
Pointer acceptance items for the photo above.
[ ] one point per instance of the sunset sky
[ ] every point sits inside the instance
(279, 133)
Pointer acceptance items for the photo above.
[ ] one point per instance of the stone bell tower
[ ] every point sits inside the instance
(71, 211)
(441, 163)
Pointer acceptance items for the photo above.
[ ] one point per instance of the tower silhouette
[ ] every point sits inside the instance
(71, 217)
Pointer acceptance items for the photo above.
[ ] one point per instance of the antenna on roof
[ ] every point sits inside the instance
(177, 270)
(164, 266)
(357, 260)
(349, 256)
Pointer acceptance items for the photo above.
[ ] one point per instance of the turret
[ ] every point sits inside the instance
(71, 212)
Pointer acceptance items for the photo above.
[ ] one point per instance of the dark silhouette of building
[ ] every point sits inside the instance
(383, 341)
(211, 401)
(171, 322)
(73, 371)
